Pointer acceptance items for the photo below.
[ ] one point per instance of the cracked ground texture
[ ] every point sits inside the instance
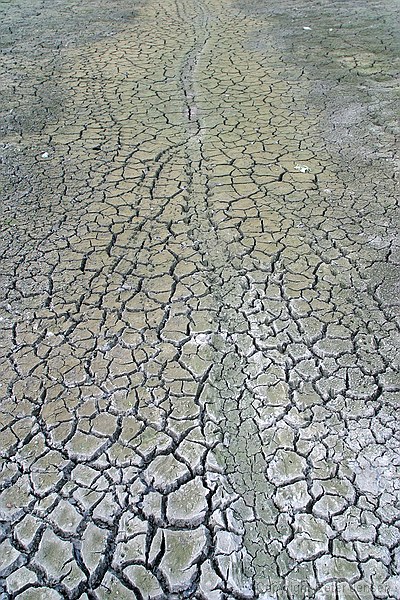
(199, 290)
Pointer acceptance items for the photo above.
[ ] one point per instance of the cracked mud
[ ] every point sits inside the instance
(199, 292)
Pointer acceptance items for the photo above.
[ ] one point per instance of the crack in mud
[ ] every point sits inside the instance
(199, 296)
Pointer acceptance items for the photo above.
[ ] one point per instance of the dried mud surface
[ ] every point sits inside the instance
(199, 300)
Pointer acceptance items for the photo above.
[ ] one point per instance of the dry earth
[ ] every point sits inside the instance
(199, 288)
